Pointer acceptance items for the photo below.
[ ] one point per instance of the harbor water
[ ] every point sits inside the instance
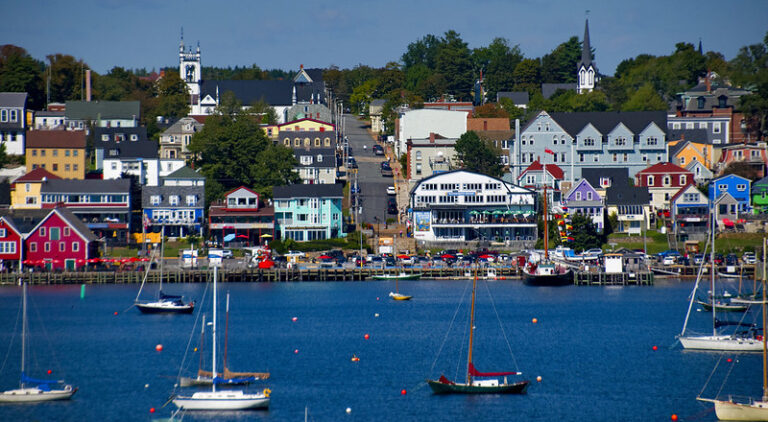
(593, 348)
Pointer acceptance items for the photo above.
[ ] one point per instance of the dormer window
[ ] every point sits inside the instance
(319, 158)
(105, 137)
(722, 101)
(134, 137)
(700, 102)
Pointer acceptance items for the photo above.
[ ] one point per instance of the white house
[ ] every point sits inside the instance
(153, 168)
(418, 124)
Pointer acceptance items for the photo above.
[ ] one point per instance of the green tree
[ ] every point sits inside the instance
(453, 61)
(362, 95)
(585, 234)
(423, 51)
(527, 75)
(116, 85)
(498, 62)
(19, 72)
(559, 66)
(232, 150)
(645, 99)
(475, 154)
(266, 113)
(172, 96)
(67, 75)
(513, 111)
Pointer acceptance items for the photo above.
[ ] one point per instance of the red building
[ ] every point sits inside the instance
(663, 181)
(60, 241)
(10, 244)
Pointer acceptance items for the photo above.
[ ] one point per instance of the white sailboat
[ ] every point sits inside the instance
(225, 399)
(165, 303)
(743, 341)
(750, 409)
(31, 389)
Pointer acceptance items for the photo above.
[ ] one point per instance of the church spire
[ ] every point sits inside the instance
(586, 72)
(586, 49)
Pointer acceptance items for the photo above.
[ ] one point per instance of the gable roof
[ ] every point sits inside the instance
(517, 97)
(241, 188)
(682, 191)
(24, 220)
(577, 185)
(184, 173)
(664, 168)
(177, 126)
(693, 135)
(143, 147)
(308, 191)
(616, 175)
(82, 230)
(95, 110)
(627, 195)
(97, 186)
(56, 139)
(726, 197)
(553, 169)
(13, 99)
(760, 185)
(37, 175)
(606, 121)
(273, 92)
(308, 119)
(732, 176)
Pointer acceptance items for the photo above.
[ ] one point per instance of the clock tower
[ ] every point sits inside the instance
(190, 69)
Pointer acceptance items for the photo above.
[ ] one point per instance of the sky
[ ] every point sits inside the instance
(318, 34)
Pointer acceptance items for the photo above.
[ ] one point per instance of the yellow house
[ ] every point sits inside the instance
(25, 190)
(306, 125)
(683, 153)
(61, 152)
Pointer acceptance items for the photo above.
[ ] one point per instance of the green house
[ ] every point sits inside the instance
(760, 196)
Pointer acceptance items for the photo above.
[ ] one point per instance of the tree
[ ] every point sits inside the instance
(513, 111)
(267, 114)
(362, 95)
(454, 63)
(19, 72)
(477, 155)
(491, 110)
(743, 169)
(569, 101)
(423, 51)
(232, 150)
(527, 75)
(66, 75)
(645, 99)
(584, 233)
(560, 65)
(498, 62)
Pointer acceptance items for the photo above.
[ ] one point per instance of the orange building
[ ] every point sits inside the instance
(61, 152)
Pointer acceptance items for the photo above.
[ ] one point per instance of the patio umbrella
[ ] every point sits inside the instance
(266, 264)
(242, 236)
(486, 212)
(508, 212)
(485, 256)
(447, 256)
(324, 257)
(229, 237)
(403, 256)
(473, 212)
(266, 235)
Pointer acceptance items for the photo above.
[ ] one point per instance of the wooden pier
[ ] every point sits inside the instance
(588, 278)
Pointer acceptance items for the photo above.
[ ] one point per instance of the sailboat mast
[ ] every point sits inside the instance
(213, 335)
(226, 334)
(712, 276)
(471, 327)
(23, 330)
(162, 255)
(546, 224)
(765, 359)
(202, 341)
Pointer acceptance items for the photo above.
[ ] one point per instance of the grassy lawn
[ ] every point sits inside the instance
(171, 249)
(725, 243)
(655, 242)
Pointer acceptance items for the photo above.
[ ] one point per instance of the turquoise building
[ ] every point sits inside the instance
(308, 212)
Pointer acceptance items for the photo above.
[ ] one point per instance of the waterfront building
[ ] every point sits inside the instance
(602, 178)
(60, 241)
(689, 211)
(738, 187)
(418, 124)
(631, 205)
(754, 155)
(726, 211)
(11, 244)
(591, 139)
(429, 156)
(25, 190)
(584, 200)
(241, 217)
(61, 152)
(178, 203)
(663, 180)
(104, 206)
(760, 196)
(13, 121)
(308, 212)
(79, 115)
(461, 206)
(174, 141)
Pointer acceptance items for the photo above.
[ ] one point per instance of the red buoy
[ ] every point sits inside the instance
(294, 319)
(673, 417)
(402, 392)
(729, 360)
(655, 348)
(151, 410)
(366, 336)
(296, 351)
(115, 312)
(159, 347)
(50, 372)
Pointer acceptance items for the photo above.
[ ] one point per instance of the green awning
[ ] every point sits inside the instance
(473, 212)
(497, 212)
(486, 212)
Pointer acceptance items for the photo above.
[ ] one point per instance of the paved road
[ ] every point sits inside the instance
(373, 186)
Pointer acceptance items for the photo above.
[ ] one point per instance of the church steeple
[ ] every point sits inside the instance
(586, 73)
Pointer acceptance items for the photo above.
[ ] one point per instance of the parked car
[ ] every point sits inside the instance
(378, 150)
(391, 190)
(227, 254)
(351, 163)
(749, 258)
(354, 188)
(669, 260)
(698, 258)
(391, 206)
(731, 259)
(386, 165)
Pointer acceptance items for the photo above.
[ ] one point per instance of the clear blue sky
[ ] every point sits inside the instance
(285, 34)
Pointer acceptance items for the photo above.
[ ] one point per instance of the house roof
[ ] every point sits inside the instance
(86, 186)
(627, 195)
(307, 119)
(727, 198)
(732, 176)
(517, 97)
(616, 175)
(760, 185)
(95, 110)
(24, 220)
(328, 154)
(273, 92)
(13, 99)
(577, 185)
(37, 175)
(693, 135)
(378, 103)
(553, 169)
(240, 188)
(663, 168)
(166, 192)
(185, 173)
(683, 190)
(56, 139)
(143, 147)
(176, 127)
(443, 174)
(606, 121)
(307, 191)
(73, 221)
(548, 90)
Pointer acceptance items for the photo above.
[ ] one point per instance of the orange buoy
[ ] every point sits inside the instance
(403, 392)
(538, 379)
(115, 312)
(296, 351)
(355, 359)
(151, 410)
(673, 417)
(366, 336)
(159, 347)
(535, 321)
(655, 348)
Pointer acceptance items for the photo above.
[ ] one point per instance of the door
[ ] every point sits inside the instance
(69, 265)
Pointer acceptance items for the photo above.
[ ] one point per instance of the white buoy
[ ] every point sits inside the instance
(146, 385)
(376, 315)
(349, 410)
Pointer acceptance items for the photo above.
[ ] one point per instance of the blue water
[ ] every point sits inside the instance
(592, 346)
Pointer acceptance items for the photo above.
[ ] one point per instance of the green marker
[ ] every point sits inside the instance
(82, 291)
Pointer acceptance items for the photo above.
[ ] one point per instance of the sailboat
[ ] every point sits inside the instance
(742, 341)
(491, 384)
(165, 303)
(225, 399)
(396, 295)
(226, 377)
(546, 272)
(31, 389)
(751, 409)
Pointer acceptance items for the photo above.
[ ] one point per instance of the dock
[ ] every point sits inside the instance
(589, 278)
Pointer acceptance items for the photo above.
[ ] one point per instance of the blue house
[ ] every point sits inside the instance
(178, 204)
(308, 212)
(738, 187)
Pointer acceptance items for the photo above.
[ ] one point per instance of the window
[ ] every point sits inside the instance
(41, 232)
(702, 125)
(741, 187)
(554, 140)
(3, 115)
(683, 179)
(650, 181)
(589, 196)
(287, 142)
(42, 153)
(589, 142)
(47, 247)
(66, 231)
(55, 167)
(418, 168)
(676, 125)
(562, 157)
(74, 154)
(55, 153)
(34, 153)
(682, 161)
(33, 246)
(74, 167)
(716, 127)
(55, 233)
(653, 141)
(722, 188)
(418, 155)
(689, 125)
(66, 167)
(578, 196)
(621, 141)
(62, 247)
(134, 137)
(173, 200)
(75, 246)
(667, 180)
(581, 158)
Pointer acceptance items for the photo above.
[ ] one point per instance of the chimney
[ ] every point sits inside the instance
(709, 81)
(88, 85)
(431, 137)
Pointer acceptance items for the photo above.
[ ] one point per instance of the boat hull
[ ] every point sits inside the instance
(398, 296)
(191, 382)
(161, 308)
(34, 394)
(397, 277)
(720, 343)
(564, 279)
(724, 307)
(731, 411)
(222, 400)
(445, 388)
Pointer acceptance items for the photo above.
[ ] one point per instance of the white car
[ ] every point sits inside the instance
(669, 260)
(391, 190)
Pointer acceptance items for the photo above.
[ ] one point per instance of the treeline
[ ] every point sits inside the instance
(435, 67)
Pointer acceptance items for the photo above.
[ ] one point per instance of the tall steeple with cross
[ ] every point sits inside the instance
(587, 75)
